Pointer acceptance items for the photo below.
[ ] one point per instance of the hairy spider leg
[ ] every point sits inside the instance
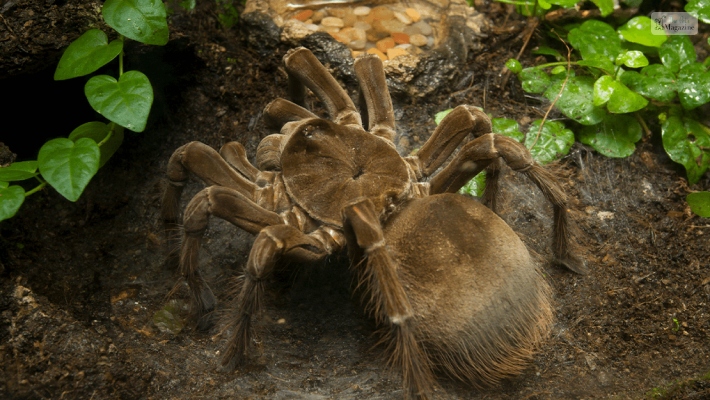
(483, 151)
(272, 245)
(304, 69)
(387, 298)
(375, 101)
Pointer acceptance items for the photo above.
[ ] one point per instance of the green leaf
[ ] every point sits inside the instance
(558, 70)
(699, 203)
(687, 142)
(632, 59)
(514, 65)
(18, 171)
(595, 38)
(576, 101)
(598, 61)
(564, 3)
(86, 54)
(614, 137)
(603, 89)
(69, 166)
(549, 51)
(97, 131)
(693, 86)
(605, 6)
(441, 114)
(638, 30)
(11, 198)
(624, 100)
(507, 127)
(655, 81)
(126, 102)
(534, 80)
(475, 186)
(3, 185)
(677, 52)
(141, 20)
(700, 9)
(554, 141)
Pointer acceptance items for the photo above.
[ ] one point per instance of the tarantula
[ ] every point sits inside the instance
(451, 283)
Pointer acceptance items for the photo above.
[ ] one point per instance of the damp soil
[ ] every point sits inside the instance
(81, 282)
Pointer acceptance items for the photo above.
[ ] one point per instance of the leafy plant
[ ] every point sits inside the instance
(613, 86)
(546, 144)
(68, 164)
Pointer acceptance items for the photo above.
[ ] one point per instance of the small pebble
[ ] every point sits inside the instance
(413, 14)
(424, 28)
(385, 44)
(378, 53)
(303, 15)
(358, 44)
(403, 18)
(362, 11)
(318, 16)
(396, 52)
(418, 40)
(332, 22)
(400, 38)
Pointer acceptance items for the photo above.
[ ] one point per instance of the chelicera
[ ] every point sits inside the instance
(454, 288)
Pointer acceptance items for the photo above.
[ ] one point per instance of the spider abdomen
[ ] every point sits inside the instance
(481, 307)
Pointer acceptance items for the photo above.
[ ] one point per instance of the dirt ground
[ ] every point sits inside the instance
(81, 282)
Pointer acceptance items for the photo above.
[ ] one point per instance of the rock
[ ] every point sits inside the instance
(332, 22)
(378, 53)
(418, 39)
(396, 52)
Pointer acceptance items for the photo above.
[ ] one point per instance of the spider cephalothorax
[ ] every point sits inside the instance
(453, 286)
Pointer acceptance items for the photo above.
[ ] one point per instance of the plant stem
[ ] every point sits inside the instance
(111, 128)
(120, 58)
(36, 189)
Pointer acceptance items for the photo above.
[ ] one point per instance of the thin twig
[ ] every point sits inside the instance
(528, 36)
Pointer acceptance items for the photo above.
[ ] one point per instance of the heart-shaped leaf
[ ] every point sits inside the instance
(624, 100)
(603, 89)
(700, 9)
(98, 131)
(69, 166)
(632, 59)
(141, 20)
(699, 203)
(638, 30)
(534, 80)
(11, 198)
(576, 100)
(595, 38)
(18, 171)
(605, 6)
(687, 142)
(86, 54)
(126, 102)
(598, 61)
(507, 127)
(440, 115)
(550, 143)
(677, 52)
(655, 81)
(693, 86)
(614, 137)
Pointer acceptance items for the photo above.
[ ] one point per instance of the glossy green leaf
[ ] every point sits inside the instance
(11, 198)
(514, 65)
(576, 101)
(18, 171)
(558, 70)
(605, 6)
(126, 102)
(564, 3)
(677, 52)
(616, 136)
(507, 127)
(693, 86)
(441, 114)
(3, 185)
(603, 89)
(655, 81)
(687, 142)
(699, 203)
(595, 38)
(632, 59)
(598, 61)
(97, 131)
(86, 54)
(549, 51)
(475, 186)
(544, 4)
(550, 143)
(141, 20)
(534, 80)
(69, 166)
(624, 100)
(700, 9)
(638, 30)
